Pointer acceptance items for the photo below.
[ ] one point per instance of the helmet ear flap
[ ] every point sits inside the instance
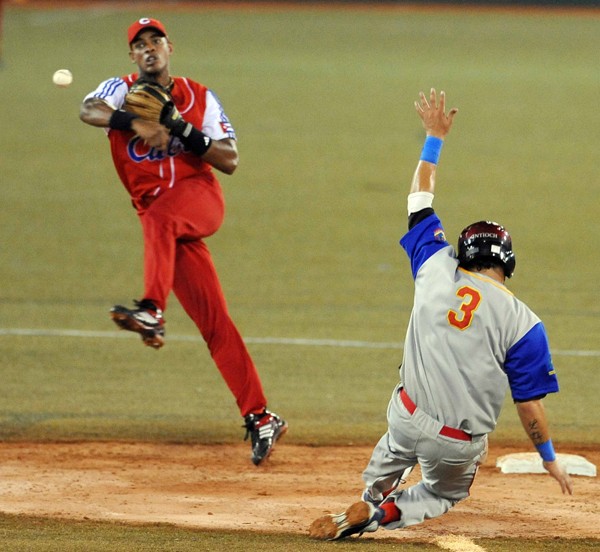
(486, 241)
(509, 264)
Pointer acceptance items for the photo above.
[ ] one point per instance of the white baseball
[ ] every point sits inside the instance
(62, 78)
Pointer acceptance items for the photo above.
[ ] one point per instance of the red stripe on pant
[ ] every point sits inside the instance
(176, 257)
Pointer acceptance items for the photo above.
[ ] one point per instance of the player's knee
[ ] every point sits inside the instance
(156, 222)
(452, 493)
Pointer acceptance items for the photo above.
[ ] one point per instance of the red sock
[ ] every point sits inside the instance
(391, 513)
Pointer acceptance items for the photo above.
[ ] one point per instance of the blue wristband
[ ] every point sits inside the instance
(546, 451)
(432, 149)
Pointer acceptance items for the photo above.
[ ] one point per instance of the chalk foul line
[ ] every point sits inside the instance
(250, 340)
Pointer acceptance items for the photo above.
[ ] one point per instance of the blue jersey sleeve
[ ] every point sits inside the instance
(528, 366)
(424, 240)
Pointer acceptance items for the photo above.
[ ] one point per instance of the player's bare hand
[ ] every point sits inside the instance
(153, 134)
(433, 113)
(558, 471)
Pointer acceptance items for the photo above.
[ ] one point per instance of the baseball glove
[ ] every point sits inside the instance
(151, 101)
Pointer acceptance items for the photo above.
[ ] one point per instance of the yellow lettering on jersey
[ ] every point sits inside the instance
(472, 298)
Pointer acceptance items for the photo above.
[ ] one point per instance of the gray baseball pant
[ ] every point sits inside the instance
(448, 466)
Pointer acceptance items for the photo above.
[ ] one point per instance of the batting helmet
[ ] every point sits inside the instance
(486, 241)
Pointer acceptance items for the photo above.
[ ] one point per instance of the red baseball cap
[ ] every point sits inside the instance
(142, 25)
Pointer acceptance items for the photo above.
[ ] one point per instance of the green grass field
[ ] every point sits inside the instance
(322, 102)
(25, 533)
(18, 534)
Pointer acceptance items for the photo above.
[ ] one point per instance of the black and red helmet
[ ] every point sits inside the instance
(486, 240)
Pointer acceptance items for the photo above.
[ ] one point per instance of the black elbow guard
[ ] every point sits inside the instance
(415, 218)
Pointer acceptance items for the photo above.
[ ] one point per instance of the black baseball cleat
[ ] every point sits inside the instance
(361, 517)
(146, 319)
(264, 429)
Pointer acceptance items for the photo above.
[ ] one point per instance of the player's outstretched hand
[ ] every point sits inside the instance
(435, 121)
(558, 471)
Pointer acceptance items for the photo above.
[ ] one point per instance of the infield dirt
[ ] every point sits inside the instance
(217, 487)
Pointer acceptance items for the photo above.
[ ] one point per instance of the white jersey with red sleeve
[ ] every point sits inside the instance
(146, 171)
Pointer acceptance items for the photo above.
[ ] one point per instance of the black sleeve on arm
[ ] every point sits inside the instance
(538, 398)
(121, 120)
(415, 218)
(195, 140)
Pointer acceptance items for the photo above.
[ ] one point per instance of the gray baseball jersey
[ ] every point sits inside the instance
(468, 339)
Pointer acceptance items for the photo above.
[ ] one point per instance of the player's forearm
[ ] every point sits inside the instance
(222, 155)
(533, 418)
(95, 112)
(424, 178)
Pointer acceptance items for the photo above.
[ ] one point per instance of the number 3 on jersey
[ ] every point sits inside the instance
(472, 298)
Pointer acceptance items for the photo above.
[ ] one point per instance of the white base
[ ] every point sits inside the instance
(531, 462)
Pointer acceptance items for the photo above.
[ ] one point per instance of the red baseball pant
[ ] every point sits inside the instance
(176, 257)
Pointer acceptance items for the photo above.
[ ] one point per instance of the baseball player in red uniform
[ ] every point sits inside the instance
(180, 202)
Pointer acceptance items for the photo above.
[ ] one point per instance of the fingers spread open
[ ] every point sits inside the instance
(443, 101)
(433, 98)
